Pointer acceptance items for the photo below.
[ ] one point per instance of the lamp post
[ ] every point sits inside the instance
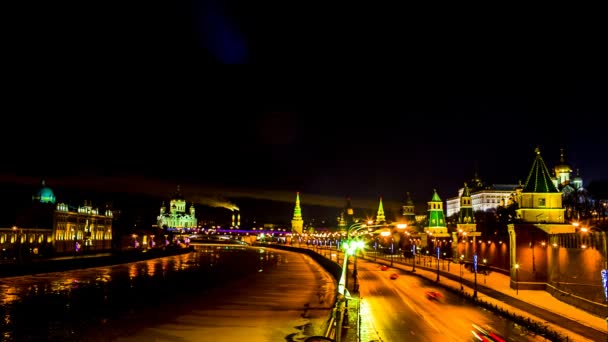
(392, 250)
(517, 279)
(533, 261)
(438, 251)
(355, 245)
(342, 282)
(351, 229)
(475, 269)
(461, 261)
(604, 272)
(485, 270)
(414, 257)
(350, 248)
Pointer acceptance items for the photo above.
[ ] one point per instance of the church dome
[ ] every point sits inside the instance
(562, 167)
(44, 195)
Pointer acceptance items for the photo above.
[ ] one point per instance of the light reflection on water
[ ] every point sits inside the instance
(74, 304)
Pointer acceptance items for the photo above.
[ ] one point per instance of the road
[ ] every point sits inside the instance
(398, 310)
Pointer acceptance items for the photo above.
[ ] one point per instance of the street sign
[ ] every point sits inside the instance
(473, 233)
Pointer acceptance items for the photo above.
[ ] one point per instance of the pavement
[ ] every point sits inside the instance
(537, 305)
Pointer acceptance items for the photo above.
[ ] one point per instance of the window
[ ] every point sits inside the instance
(541, 202)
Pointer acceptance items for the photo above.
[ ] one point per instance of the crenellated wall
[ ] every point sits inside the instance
(568, 265)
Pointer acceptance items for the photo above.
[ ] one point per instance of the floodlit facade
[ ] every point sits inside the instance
(177, 218)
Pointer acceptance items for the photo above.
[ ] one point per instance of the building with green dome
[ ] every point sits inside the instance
(49, 227)
(44, 195)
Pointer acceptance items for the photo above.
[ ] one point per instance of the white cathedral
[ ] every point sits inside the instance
(177, 219)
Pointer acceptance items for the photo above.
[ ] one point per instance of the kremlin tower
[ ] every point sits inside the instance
(297, 224)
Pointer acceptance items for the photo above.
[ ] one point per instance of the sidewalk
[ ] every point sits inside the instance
(494, 288)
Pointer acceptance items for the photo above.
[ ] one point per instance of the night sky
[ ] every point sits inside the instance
(133, 98)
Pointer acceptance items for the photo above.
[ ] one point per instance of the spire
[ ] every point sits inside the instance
(297, 211)
(380, 216)
(408, 199)
(539, 178)
(465, 215)
(436, 217)
(435, 196)
(297, 224)
(466, 192)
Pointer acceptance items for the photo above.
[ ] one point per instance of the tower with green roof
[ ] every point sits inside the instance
(297, 224)
(436, 218)
(465, 215)
(380, 218)
(540, 201)
(465, 226)
(408, 211)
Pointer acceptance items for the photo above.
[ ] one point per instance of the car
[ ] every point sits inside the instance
(481, 334)
(433, 295)
(394, 276)
(384, 267)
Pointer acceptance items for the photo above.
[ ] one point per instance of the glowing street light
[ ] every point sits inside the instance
(358, 244)
(485, 270)
(516, 278)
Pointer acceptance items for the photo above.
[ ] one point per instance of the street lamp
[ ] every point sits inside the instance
(414, 257)
(485, 270)
(475, 269)
(517, 278)
(604, 272)
(392, 250)
(461, 261)
(438, 251)
(358, 244)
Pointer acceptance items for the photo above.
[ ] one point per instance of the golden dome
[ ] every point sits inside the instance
(562, 167)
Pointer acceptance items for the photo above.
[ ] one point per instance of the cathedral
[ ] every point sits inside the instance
(177, 218)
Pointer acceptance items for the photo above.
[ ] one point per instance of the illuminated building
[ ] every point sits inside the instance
(561, 179)
(465, 225)
(44, 195)
(297, 224)
(436, 220)
(380, 218)
(83, 229)
(347, 216)
(408, 214)
(45, 228)
(483, 198)
(575, 198)
(177, 219)
(540, 201)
